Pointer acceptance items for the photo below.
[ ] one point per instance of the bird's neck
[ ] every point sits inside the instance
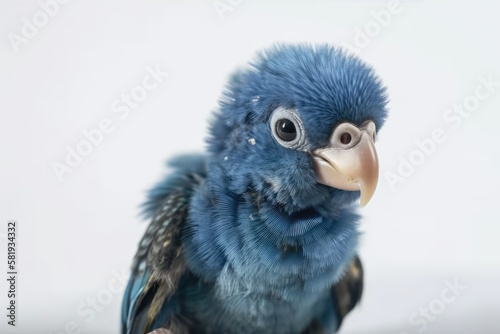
(255, 245)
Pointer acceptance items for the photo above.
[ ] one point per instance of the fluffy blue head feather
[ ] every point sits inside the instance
(325, 86)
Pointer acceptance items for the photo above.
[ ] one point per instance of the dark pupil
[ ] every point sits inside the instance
(345, 138)
(286, 130)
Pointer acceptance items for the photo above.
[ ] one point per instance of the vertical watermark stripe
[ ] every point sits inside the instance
(12, 272)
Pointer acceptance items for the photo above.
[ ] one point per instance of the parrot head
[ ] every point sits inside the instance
(298, 127)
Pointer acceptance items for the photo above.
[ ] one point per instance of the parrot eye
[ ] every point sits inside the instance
(287, 128)
(345, 138)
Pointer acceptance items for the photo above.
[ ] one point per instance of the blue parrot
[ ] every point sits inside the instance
(260, 234)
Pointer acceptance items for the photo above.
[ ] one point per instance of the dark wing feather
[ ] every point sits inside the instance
(347, 292)
(158, 267)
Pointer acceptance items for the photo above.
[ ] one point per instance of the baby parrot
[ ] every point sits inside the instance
(259, 235)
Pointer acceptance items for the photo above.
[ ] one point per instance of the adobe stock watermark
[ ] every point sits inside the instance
(30, 27)
(453, 119)
(88, 309)
(381, 19)
(121, 107)
(222, 7)
(425, 315)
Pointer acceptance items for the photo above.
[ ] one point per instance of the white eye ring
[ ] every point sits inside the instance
(281, 114)
(371, 129)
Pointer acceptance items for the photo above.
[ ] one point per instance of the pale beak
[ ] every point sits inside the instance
(355, 168)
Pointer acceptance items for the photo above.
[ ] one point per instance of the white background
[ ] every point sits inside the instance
(440, 224)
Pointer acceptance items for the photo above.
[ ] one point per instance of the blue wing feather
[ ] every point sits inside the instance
(184, 164)
(149, 301)
(133, 292)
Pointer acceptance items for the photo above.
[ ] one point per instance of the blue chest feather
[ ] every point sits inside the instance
(255, 261)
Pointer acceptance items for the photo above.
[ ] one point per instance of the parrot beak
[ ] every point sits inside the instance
(354, 168)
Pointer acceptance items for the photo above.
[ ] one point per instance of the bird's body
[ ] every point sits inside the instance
(245, 239)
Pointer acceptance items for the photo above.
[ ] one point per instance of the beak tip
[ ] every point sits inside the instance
(363, 202)
(367, 192)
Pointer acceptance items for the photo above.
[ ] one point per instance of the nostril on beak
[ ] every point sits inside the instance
(345, 138)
